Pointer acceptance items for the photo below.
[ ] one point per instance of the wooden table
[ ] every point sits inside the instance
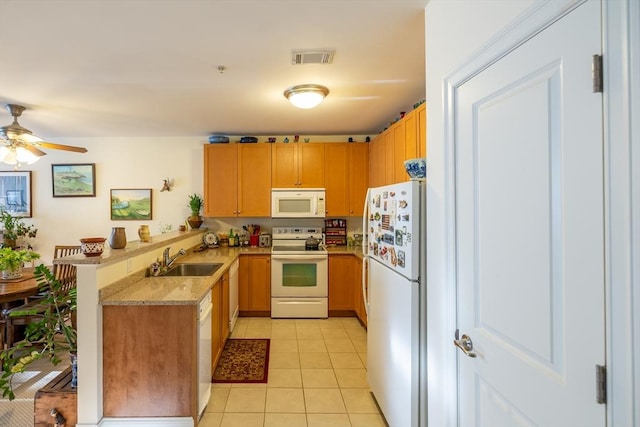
(17, 289)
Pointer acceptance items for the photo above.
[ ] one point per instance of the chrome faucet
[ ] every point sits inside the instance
(168, 260)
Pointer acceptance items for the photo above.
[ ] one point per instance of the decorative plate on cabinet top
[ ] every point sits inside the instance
(210, 239)
(218, 139)
(246, 139)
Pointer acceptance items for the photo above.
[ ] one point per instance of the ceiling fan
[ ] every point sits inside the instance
(21, 145)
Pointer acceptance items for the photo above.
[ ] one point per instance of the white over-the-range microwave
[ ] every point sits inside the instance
(297, 203)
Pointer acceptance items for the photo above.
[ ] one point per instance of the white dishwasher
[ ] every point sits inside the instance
(204, 352)
(233, 294)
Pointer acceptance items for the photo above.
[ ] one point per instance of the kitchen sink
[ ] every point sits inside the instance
(199, 269)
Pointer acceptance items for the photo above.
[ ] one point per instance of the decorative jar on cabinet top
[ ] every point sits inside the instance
(144, 233)
(118, 238)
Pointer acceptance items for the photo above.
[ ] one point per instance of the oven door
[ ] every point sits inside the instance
(299, 275)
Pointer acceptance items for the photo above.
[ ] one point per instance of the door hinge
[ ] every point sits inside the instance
(596, 73)
(601, 384)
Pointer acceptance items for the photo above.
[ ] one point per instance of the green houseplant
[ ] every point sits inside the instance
(14, 228)
(49, 337)
(11, 261)
(195, 204)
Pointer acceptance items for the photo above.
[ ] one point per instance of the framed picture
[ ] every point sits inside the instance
(74, 180)
(131, 204)
(15, 193)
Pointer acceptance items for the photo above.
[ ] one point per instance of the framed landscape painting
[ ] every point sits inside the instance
(15, 193)
(131, 204)
(74, 180)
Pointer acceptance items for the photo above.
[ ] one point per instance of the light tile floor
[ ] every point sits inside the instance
(317, 378)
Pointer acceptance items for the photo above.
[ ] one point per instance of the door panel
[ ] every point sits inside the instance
(529, 227)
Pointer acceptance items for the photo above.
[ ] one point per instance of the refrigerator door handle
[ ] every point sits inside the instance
(365, 219)
(365, 296)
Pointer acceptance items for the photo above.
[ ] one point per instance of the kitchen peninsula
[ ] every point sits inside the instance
(104, 277)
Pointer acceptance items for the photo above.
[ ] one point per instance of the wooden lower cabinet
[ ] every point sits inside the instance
(220, 318)
(254, 285)
(345, 287)
(225, 306)
(217, 340)
(341, 284)
(358, 298)
(150, 360)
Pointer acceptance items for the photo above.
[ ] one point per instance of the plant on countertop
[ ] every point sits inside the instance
(195, 204)
(42, 337)
(14, 228)
(11, 260)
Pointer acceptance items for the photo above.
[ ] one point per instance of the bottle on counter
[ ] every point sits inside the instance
(232, 238)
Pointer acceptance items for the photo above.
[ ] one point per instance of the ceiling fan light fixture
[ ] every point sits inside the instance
(306, 96)
(8, 156)
(11, 155)
(25, 156)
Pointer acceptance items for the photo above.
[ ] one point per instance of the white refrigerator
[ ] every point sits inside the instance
(394, 227)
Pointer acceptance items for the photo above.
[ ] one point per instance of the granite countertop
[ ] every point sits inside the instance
(345, 250)
(140, 290)
(133, 248)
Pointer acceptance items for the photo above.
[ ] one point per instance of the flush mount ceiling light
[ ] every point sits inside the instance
(306, 96)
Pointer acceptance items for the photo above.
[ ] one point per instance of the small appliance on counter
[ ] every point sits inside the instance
(265, 240)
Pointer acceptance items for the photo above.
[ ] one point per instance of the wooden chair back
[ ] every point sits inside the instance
(65, 273)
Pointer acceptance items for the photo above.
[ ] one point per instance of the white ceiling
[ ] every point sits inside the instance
(103, 68)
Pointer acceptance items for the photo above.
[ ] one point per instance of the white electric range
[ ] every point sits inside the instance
(299, 275)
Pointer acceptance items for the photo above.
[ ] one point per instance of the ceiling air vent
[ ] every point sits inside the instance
(317, 56)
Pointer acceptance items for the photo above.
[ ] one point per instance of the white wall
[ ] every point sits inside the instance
(120, 163)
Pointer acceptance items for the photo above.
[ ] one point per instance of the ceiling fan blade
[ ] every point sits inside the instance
(34, 150)
(61, 147)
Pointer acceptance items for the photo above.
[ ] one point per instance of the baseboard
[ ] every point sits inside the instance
(146, 422)
(255, 314)
(342, 313)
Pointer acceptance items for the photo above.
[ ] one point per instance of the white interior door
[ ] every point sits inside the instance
(529, 232)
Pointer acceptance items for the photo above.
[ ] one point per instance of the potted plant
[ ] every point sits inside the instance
(11, 261)
(14, 229)
(195, 204)
(42, 337)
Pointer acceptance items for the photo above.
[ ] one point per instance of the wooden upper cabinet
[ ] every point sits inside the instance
(399, 152)
(346, 178)
(237, 180)
(284, 165)
(376, 161)
(388, 158)
(298, 165)
(411, 136)
(421, 112)
(337, 179)
(311, 165)
(220, 180)
(254, 180)
(405, 145)
(358, 166)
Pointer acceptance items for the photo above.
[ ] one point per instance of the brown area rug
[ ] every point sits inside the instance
(243, 361)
